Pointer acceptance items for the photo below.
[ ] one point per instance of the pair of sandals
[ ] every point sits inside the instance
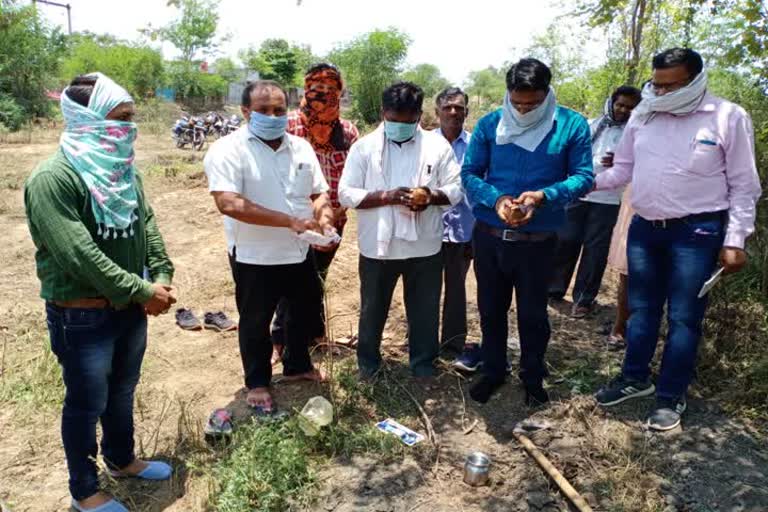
(155, 470)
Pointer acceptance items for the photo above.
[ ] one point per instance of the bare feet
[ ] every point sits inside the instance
(94, 500)
(260, 399)
(277, 354)
(314, 375)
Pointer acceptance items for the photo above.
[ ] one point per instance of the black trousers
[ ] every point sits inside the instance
(457, 257)
(258, 290)
(421, 293)
(322, 262)
(587, 232)
(524, 268)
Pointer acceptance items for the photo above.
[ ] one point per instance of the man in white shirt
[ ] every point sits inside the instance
(400, 179)
(270, 188)
(590, 220)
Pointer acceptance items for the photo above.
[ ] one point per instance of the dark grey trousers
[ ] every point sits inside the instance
(457, 258)
(422, 285)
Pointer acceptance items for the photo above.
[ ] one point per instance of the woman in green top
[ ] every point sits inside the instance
(96, 239)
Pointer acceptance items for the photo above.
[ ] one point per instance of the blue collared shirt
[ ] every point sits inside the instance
(459, 221)
(561, 167)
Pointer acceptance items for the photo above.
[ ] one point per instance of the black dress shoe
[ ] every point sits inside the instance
(535, 395)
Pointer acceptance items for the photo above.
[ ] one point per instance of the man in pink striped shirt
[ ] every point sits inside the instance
(690, 158)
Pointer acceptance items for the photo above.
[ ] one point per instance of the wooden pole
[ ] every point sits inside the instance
(567, 489)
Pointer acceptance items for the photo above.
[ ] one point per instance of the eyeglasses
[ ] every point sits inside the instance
(671, 87)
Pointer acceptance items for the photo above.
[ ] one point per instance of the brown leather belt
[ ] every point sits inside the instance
(512, 235)
(89, 303)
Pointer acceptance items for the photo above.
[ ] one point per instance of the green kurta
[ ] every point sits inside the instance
(73, 261)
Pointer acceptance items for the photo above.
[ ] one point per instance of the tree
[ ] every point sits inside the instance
(29, 55)
(279, 60)
(137, 68)
(487, 85)
(370, 64)
(734, 34)
(563, 54)
(193, 84)
(194, 32)
(428, 77)
(226, 69)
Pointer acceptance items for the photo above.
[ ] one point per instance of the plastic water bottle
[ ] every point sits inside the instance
(317, 413)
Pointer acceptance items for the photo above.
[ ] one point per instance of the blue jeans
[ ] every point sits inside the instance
(525, 269)
(668, 265)
(100, 352)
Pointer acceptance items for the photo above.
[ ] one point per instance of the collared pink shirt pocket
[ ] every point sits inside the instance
(707, 157)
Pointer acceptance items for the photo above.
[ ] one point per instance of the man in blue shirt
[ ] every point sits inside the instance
(525, 162)
(451, 107)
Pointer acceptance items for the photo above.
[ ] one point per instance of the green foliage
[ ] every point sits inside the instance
(370, 64)
(12, 116)
(226, 69)
(269, 465)
(29, 53)
(734, 33)
(189, 82)
(137, 68)
(561, 48)
(194, 31)
(279, 60)
(748, 92)
(487, 87)
(428, 77)
(266, 470)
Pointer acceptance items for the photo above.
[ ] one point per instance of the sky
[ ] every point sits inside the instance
(458, 37)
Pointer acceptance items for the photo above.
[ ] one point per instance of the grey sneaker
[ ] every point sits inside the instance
(667, 414)
(187, 320)
(219, 322)
(621, 389)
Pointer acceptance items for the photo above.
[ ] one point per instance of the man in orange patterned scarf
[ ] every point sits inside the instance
(318, 120)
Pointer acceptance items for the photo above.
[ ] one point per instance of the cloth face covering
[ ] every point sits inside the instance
(101, 152)
(320, 110)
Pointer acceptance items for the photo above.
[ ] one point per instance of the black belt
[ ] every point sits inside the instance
(696, 217)
(513, 235)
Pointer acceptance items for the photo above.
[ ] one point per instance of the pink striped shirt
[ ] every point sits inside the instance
(696, 163)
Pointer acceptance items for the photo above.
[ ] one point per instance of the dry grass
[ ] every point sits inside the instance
(614, 464)
(612, 461)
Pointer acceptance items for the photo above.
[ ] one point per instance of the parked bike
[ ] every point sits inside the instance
(231, 124)
(189, 130)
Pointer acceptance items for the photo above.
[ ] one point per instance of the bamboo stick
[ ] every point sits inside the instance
(567, 489)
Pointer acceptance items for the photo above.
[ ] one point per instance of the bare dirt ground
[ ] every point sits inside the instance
(714, 463)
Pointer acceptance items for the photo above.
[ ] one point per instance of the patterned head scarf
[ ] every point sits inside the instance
(320, 109)
(101, 152)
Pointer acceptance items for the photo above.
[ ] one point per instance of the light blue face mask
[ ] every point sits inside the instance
(400, 132)
(267, 127)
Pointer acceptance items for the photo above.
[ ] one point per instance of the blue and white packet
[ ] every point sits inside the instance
(406, 435)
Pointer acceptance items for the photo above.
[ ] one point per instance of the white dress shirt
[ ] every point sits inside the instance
(281, 180)
(606, 142)
(429, 159)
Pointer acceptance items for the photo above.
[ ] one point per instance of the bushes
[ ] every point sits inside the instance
(137, 68)
(12, 116)
(190, 83)
(29, 53)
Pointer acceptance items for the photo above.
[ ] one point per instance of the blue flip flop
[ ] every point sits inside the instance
(155, 470)
(110, 506)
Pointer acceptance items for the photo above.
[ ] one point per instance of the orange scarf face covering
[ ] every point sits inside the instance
(320, 108)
